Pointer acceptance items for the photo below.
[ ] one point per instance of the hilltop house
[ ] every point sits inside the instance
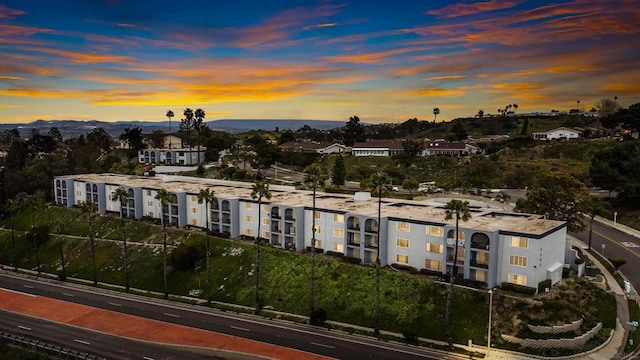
(559, 133)
(377, 148)
(323, 147)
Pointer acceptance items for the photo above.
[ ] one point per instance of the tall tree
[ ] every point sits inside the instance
(436, 112)
(353, 131)
(558, 196)
(607, 107)
(379, 184)
(618, 168)
(207, 196)
(121, 195)
(480, 114)
(316, 177)
(259, 191)
(339, 171)
(170, 115)
(412, 147)
(88, 207)
(198, 123)
(165, 197)
(460, 211)
(594, 207)
(12, 207)
(187, 123)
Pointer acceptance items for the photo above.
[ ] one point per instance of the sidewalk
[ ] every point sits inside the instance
(615, 347)
(621, 227)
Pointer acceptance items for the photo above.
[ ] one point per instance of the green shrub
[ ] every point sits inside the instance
(518, 288)
(544, 284)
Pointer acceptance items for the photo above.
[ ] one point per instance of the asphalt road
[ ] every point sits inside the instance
(297, 336)
(91, 342)
(616, 243)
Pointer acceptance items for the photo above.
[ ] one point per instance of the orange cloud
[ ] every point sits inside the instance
(461, 9)
(8, 13)
(371, 57)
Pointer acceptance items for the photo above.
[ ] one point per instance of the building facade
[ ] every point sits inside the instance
(559, 133)
(494, 246)
(172, 156)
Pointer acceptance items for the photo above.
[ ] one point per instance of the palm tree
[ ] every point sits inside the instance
(197, 125)
(259, 191)
(436, 112)
(379, 183)
(187, 123)
(207, 196)
(316, 176)
(12, 207)
(89, 207)
(170, 115)
(165, 197)
(122, 195)
(594, 207)
(515, 107)
(460, 210)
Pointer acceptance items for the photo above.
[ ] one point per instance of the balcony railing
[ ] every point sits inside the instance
(480, 245)
(480, 264)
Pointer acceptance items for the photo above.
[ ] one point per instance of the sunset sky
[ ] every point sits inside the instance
(385, 61)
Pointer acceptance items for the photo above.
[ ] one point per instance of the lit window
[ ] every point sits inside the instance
(402, 259)
(194, 221)
(520, 242)
(248, 231)
(265, 221)
(150, 203)
(194, 198)
(248, 218)
(338, 248)
(248, 206)
(481, 276)
(339, 218)
(518, 279)
(339, 233)
(79, 193)
(148, 192)
(318, 244)
(194, 210)
(518, 260)
(402, 226)
(403, 243)
(265, 234)
(435, 231)
(435, 248)
(265, 208)
(433, 265)
(317, 228)
(316, 214)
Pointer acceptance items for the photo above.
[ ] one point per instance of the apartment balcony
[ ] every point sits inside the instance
(275, 214)
(353, 239)
(479, 264)
(371, 241)
(276, 240)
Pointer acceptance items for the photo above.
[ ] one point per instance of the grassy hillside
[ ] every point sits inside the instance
(410, 304)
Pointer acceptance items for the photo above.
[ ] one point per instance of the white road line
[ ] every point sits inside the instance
(24, 327)
(28, 286)
(148, 358)
(172, 315)
(240, 328)
(323, 345)
(67, 294)
(82, 342)
(115, 304)
(18, 292)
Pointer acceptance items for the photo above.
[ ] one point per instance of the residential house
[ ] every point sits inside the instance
(453, 148)
(377, 148)
(323, 147)
(559, 133)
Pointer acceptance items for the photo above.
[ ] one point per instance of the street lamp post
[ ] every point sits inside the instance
(603, 246)
(489, 327)
(615, 218)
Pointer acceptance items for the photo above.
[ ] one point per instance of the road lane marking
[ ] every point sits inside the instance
(617, 243)
(148, 358)
(115, 304)
(67, 294)
(28, 286)
(172, 315)
(239, 328)
(629, 244)
(323, 345)
(82, 342)
(18, 292)
(24, 327)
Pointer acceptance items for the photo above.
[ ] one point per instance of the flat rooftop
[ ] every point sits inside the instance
(483, 216)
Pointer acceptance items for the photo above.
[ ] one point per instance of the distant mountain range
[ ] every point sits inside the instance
(74, 128)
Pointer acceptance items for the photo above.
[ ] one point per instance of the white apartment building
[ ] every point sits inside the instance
(171, 156)
(494, 246)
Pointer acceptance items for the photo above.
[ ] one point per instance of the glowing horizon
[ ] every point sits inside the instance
(382, 61)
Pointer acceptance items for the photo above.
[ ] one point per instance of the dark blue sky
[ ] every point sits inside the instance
(385, 61)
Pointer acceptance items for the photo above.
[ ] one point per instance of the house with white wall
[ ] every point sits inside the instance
(494, 246)
(559, 133)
